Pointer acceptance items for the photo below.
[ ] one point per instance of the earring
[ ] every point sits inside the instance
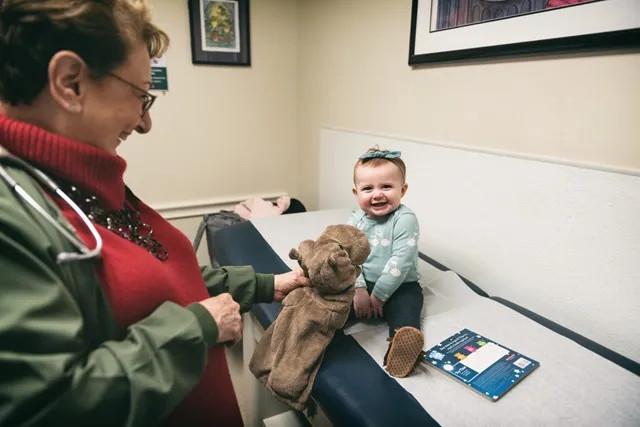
(74, 107)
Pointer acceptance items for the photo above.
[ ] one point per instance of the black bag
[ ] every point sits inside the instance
(212, 223)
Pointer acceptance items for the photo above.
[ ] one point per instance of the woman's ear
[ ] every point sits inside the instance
(68, 74)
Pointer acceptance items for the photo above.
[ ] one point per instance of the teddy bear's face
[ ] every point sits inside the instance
(332, 262)
(351, 239)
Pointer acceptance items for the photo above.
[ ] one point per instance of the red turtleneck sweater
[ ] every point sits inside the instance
(134, 281)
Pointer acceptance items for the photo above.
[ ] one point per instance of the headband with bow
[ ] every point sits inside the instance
(380, 154)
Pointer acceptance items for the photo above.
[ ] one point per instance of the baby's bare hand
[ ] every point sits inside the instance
(376, 306)
(362, 304)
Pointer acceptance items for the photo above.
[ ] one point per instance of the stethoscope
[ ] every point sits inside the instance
(83, 251)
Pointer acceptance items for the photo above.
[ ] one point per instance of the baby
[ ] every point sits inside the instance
(388, 287)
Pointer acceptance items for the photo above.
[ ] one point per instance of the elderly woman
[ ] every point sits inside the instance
(131, 337)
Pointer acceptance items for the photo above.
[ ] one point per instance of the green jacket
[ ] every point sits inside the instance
(62, 361)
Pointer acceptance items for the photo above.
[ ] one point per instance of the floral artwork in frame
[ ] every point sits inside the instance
(220, 32)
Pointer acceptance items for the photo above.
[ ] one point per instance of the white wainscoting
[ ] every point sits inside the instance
(192, 208)
(560, 239)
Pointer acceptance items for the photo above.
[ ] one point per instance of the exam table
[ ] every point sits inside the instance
(579, 382)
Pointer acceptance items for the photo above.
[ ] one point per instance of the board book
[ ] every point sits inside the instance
(482, 364)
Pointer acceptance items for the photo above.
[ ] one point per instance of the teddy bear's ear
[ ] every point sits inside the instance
(293, 254)
(306, 248)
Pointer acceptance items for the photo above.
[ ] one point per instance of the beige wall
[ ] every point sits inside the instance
(224, 132)
(353, 74)
(221, 131)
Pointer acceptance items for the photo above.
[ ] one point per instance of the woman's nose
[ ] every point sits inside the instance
(145, 123)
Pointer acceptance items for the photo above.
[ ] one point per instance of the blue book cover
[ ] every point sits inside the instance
(480, 363)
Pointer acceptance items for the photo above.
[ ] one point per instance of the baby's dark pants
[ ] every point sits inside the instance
(403, 308)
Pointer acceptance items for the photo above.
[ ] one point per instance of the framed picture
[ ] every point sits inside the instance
(219, 32)
(447, 30)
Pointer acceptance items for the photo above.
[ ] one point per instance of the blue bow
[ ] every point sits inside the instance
(380, 154)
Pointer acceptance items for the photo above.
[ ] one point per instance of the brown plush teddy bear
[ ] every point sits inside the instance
(287, 358)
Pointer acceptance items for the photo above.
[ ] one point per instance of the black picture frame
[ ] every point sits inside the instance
(604, 24)
(231, 43)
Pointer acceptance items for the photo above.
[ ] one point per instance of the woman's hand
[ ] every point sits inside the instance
(376, 306)
(362, 304)
(226, 312)
(286, 282)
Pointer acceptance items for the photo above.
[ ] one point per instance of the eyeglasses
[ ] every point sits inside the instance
(147, 98)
